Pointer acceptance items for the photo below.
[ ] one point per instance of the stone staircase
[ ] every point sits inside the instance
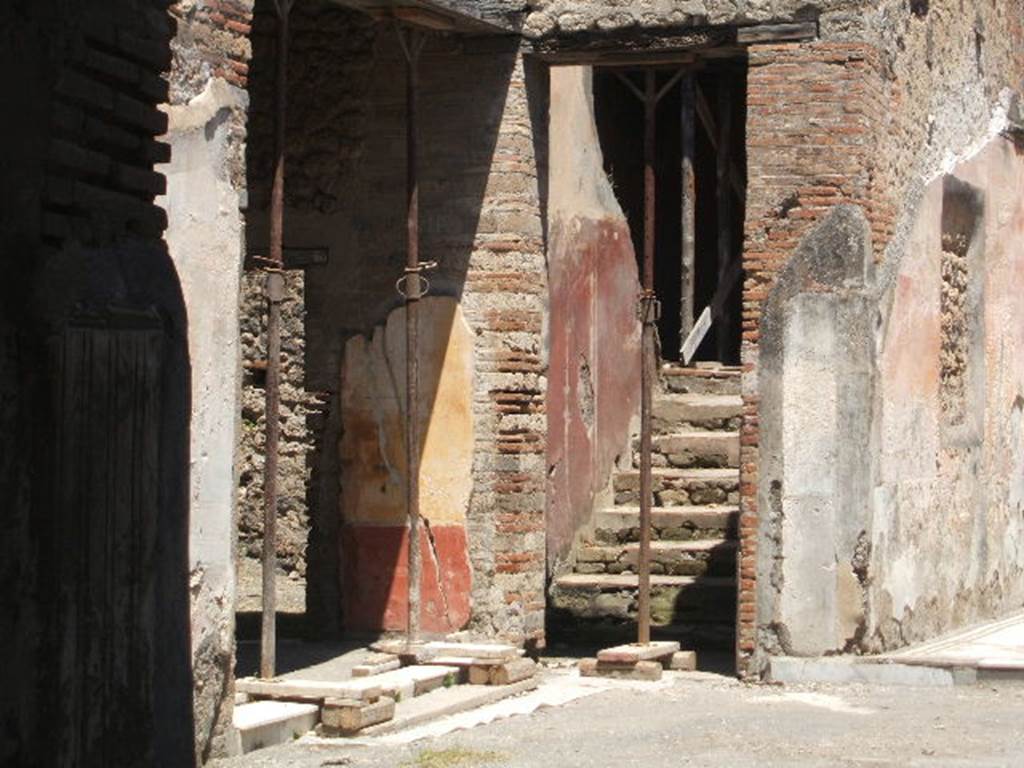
(694, 523)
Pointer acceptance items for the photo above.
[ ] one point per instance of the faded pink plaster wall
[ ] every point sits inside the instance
(947, 545)
(593, 333)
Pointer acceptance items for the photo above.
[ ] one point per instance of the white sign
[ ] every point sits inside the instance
(700, 330)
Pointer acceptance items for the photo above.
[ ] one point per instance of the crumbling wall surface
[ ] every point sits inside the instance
(947, 542)
(867, 116)
(480, 219)
(296, 439)
(567, 17)
(330, 51)
(816, 376)
(593, 385)
(206, 181)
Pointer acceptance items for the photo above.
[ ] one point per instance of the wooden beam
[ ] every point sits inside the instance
(688, 118)
(724, 203)
(707, 119)
(777, 33)
(440, 15)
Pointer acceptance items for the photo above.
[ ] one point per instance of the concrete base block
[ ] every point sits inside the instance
(793, 670)
(683, 661)
(346, 717)
(642, 670)
(266, 723)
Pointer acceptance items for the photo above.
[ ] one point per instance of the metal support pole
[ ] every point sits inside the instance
(689, 193)
(412, 288)
(648, 315)
(275, 294)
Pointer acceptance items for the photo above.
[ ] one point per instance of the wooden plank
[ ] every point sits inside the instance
(495, 651)
(363, 689)
(689, 204)
(777, 33)
(696, 335)
(634, 652)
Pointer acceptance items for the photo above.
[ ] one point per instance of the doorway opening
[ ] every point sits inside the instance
(716, 125)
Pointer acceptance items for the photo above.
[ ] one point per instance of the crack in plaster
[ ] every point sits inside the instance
(437, 570)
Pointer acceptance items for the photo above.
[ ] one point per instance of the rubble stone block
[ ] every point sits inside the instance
(347, 716)
(642, 670)
(684, 661)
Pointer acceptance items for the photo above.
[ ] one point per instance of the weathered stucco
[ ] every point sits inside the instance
(373, 465)
(947, 543)
(889, 517)
(593, 385)
(204, 237)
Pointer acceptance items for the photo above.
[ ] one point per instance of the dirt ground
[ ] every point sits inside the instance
(704, 719)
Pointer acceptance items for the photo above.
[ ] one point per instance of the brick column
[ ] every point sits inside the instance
(813, 129)
(505, 291)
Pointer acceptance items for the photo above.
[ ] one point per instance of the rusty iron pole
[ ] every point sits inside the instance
(648, 315)
(413, 290)
(275, 294)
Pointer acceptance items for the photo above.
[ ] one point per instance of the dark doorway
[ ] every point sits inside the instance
(720, 89)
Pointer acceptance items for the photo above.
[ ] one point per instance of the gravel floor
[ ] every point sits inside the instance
(711, 720)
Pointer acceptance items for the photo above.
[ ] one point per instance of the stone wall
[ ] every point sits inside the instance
(206, 187)
(889, 99)
(297, 407)
(481, 221)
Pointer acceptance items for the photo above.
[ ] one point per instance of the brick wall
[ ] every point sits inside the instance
(813, 123)
(480, 220)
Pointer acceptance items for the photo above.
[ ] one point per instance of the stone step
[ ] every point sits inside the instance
(674, 412)
(693, 449)
(674, 599)
(268, 723)
(680, 487)
(616, 525)
(703, 557)
(710, 380)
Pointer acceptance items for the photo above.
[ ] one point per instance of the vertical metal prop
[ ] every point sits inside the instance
(648, 314)
(689, 193)
(275, 294)
(412, 288)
